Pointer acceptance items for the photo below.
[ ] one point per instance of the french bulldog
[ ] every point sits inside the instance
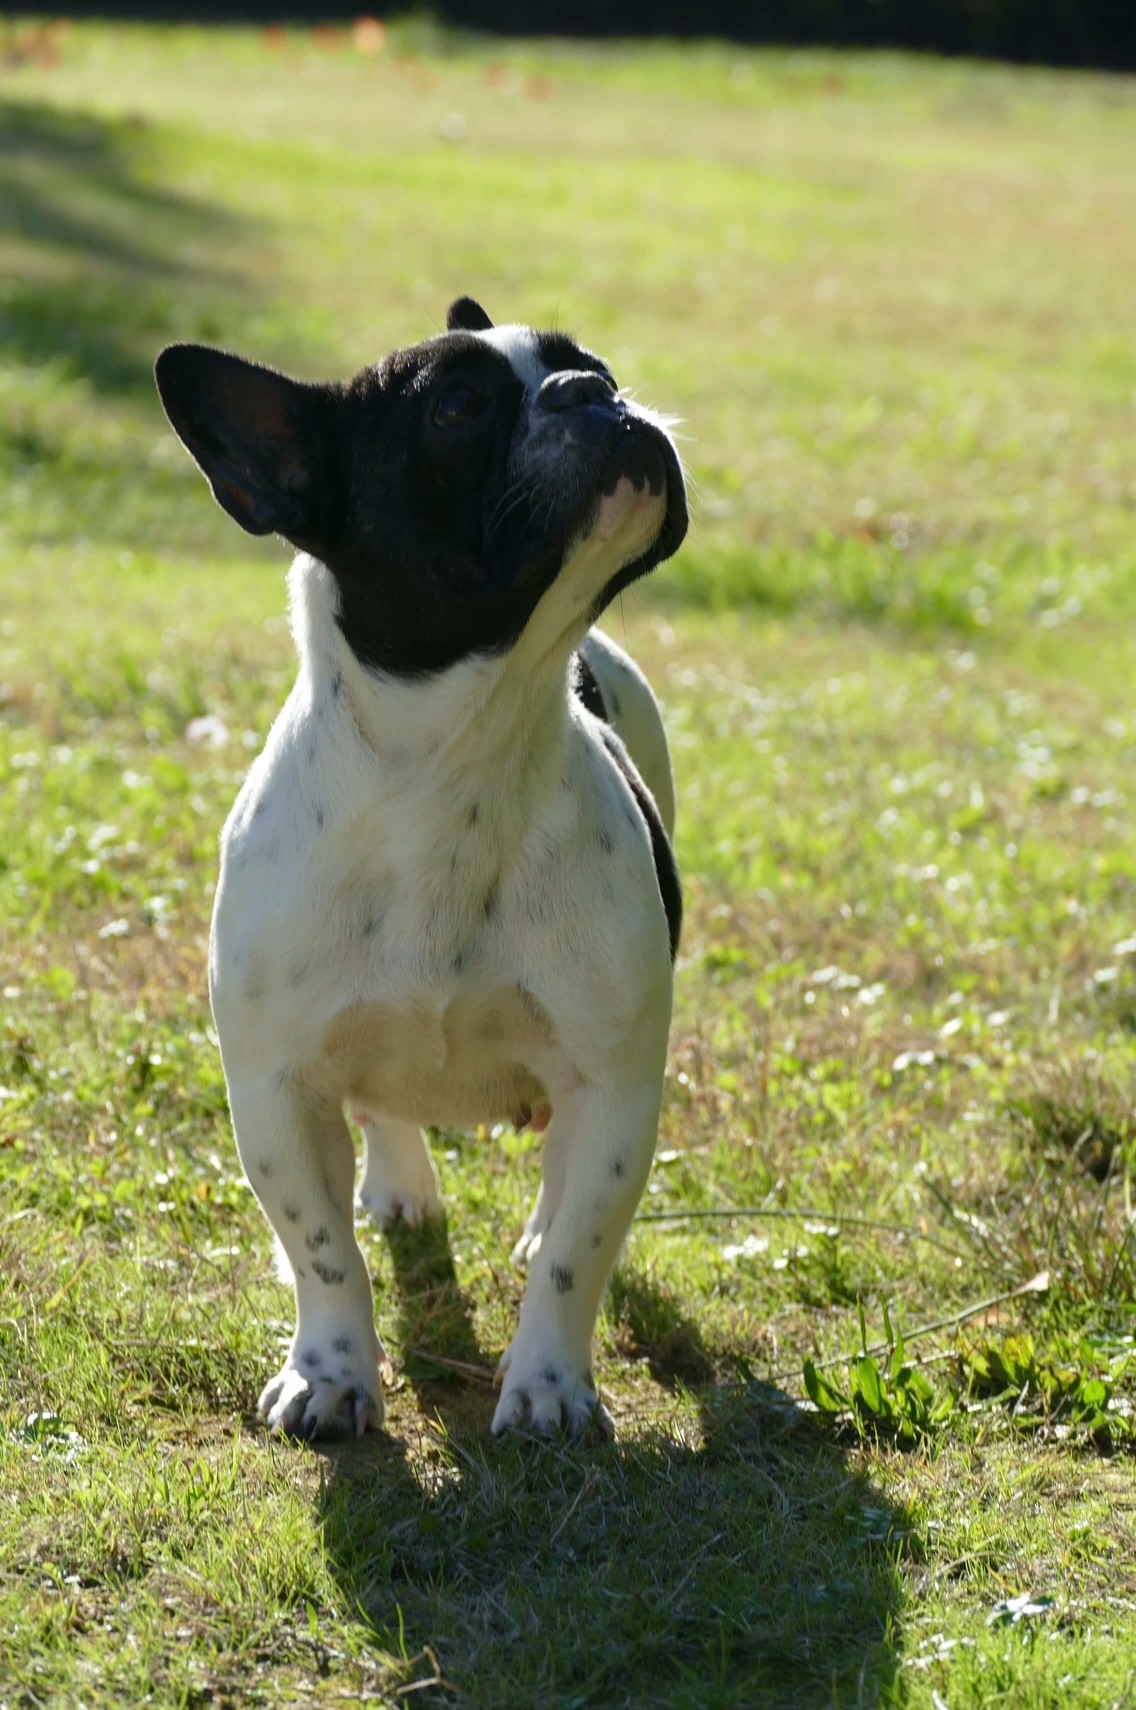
(447, 890)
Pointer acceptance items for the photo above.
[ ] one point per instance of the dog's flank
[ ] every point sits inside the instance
(447, 892)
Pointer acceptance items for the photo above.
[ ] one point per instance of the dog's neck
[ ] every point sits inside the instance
(488, 729)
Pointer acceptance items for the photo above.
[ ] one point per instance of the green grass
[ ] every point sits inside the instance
(892, 300)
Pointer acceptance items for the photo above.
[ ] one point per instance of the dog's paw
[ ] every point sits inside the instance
(412, 1205)
(549, 1396)
(399, 1183)
(528, 1246)
(328, 1399)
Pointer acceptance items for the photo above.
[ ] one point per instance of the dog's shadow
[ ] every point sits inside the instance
(725, 1553)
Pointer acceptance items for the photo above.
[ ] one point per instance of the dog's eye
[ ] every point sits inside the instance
(459, 404)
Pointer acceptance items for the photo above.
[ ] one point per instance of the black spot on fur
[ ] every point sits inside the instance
(461, 962)
(317, 1239)
(311, 750)
(326, 1379)
(619, 1168)
(563, 1278)
(588, 689)
(597, 1238)
(342, 1344)
(291, 1214)
(319, 819)
(300, 1271)
(345, 1371)
(489, 905)
(337, 685)
(474, 815)
(325, 1273)
(370, 927)
(311, 1358)
(264, 1167)
(666, 870)
(550, 1375)
(605, 840)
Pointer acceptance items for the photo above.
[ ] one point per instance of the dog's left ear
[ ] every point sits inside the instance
(466, 315)
(260, 438)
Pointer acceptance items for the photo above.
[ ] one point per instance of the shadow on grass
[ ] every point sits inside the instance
(724, 1553)
(95, 262)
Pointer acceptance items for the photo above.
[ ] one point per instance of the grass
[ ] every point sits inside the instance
(892, 300)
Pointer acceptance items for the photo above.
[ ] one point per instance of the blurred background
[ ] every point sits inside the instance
(1056, 32)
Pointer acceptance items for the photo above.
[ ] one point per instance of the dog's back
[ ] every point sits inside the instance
(611, 686)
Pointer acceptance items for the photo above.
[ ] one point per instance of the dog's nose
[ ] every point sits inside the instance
(571, 390)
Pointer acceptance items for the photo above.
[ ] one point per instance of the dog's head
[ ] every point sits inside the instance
(453, 490)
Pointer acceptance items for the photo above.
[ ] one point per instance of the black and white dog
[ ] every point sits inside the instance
(447, 893)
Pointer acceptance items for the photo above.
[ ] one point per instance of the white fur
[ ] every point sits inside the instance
(520, 346)
(415, 921)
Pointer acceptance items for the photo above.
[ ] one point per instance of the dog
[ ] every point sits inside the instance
(447, 890)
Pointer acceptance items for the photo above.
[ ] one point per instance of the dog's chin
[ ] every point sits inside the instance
(630, 517)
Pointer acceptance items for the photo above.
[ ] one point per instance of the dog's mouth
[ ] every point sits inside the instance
(604, 483)
(643, 454)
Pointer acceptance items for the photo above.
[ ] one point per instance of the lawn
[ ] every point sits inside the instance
(870, 1348)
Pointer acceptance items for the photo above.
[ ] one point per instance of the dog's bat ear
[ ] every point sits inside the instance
(466, 315)
(258, 437)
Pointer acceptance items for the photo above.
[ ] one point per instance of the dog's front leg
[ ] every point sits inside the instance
(603, 1142)
(298, 1156)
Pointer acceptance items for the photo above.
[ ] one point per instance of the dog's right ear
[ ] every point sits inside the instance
(259, 437)
(467, 315)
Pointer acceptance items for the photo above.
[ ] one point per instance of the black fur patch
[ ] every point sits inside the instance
(563, 1278)
(326, 1273)
(467, 315)
(588, 689)
(666, 868)
(430, 566)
